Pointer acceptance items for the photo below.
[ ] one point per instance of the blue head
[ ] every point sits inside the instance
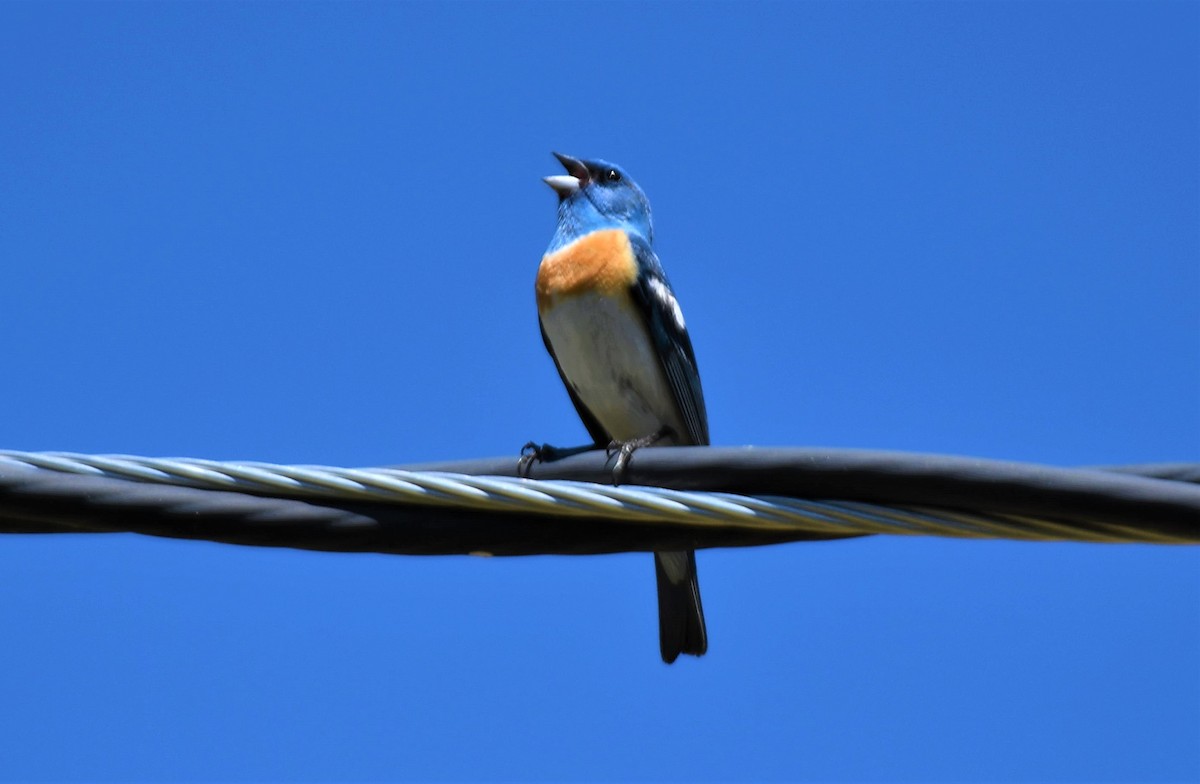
(597, 195)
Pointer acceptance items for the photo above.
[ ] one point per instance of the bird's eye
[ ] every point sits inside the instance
(612, 175)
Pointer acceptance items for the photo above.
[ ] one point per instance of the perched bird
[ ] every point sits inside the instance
(616, 333)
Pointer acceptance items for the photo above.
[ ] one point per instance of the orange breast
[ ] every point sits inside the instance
(601, 262)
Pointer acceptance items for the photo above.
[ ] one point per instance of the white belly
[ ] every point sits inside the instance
(608, 359)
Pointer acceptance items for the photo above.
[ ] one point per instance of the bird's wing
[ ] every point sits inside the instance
(599, 437)
(664, 320)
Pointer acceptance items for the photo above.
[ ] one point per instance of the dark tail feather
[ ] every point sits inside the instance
(680, 616)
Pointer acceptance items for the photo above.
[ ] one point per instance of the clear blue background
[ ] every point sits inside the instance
(309, 232)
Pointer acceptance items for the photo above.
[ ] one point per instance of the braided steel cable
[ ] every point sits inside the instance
(693, 497)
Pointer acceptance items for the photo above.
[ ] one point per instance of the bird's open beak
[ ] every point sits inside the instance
(576, 177)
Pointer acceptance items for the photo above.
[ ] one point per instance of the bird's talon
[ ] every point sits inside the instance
(523, 464)
(531, 453)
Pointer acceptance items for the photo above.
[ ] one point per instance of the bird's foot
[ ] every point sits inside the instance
(625, 449)
(533, 452)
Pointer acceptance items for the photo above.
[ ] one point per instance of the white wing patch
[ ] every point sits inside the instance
(663, 294)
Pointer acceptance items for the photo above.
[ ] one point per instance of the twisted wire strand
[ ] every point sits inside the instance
(507, 494)
(564, 498)
(771, 514)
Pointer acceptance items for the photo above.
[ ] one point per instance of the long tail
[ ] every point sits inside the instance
(680, 616)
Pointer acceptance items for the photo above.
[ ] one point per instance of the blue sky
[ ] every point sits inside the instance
(308, 233)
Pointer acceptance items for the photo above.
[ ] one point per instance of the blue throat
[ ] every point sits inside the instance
(578, 217)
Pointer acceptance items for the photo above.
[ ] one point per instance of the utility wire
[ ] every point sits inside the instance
(677, 498)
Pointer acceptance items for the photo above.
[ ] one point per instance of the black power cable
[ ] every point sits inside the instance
(1145, 503)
